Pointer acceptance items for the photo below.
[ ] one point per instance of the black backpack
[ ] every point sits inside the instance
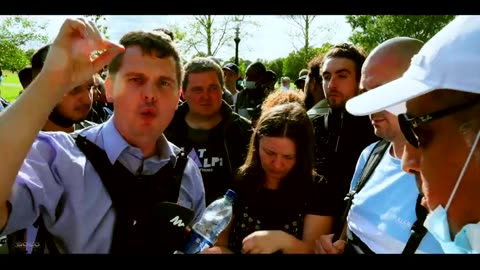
(418, 231)
(128, 237)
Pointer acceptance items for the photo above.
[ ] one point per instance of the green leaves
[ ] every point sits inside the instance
(16, 34)
(369, 31)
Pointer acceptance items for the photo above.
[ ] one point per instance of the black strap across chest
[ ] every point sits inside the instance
(133, 198)
(418, 231)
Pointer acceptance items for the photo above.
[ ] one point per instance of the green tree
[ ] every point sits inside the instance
(16, 34)
(369, 31)
(179, 36)
(208, 34)
(304, 24)
(277, 67)
(29, 53)
(298, 60)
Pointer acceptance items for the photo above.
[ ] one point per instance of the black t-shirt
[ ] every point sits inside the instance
(269, 209)
(208, 152)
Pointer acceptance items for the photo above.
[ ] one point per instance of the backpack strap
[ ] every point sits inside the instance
(99, 159)
(373, 159)
(418, 231)
(102, 165)
(120, 191)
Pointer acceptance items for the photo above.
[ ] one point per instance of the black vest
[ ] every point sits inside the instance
(134, 199)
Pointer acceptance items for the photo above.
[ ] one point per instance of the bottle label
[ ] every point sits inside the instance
(197, 243)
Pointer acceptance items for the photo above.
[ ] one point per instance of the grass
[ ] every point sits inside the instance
(10, 77)
(10, 92)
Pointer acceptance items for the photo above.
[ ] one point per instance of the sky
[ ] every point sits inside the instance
(274, 36)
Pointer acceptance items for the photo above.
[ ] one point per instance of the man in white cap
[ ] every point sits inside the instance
(441, 94)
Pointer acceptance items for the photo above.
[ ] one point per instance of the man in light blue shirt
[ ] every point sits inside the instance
(45, 174)
(384, 210)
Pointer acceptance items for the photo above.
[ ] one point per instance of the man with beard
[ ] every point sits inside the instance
(68, 115)
(440, 93)
(71, 113)
(339, 136)
(383, 211)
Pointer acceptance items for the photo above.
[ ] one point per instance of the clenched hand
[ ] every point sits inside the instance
(69, 62)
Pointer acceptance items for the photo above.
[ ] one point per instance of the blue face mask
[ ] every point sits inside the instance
(249, 84)
(467, 239)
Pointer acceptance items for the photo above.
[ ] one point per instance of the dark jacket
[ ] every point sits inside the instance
(339, 139)
(249, 103)
(236, 134)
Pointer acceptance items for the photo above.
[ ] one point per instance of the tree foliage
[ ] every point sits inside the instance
(208, 35)
(298, 60)
(16, 34)
(369, 31)
(304, 25)
(277, 67)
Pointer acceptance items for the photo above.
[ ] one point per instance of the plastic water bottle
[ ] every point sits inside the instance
(215, 219)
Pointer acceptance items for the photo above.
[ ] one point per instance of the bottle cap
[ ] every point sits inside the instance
(231, 195)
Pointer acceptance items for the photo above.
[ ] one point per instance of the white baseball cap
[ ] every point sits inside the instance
(449, 60)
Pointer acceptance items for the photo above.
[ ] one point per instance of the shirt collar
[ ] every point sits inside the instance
(115, 144)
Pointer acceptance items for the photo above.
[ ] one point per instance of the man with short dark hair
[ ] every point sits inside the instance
(389, 194)
(71, 112)
(339, 136)
(48, 174)
(214, 136)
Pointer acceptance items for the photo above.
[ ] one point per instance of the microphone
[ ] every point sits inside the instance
(167, 229)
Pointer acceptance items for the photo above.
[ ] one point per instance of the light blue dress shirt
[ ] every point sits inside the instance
(383, 212)
(57, 182)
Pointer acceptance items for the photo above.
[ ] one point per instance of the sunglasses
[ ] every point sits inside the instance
(408, 125)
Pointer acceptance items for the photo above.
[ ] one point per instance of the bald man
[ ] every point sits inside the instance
(383, 211)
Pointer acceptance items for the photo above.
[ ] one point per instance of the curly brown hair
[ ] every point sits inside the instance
(281, 97)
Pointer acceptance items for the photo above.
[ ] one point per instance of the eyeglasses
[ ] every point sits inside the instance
(408, 125)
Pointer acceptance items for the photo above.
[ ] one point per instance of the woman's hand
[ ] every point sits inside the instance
(265, 242)
(217, 250)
